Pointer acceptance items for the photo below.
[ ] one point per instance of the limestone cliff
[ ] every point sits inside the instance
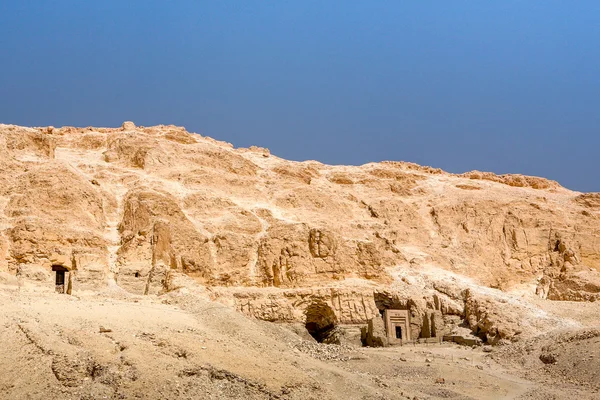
(140, 206)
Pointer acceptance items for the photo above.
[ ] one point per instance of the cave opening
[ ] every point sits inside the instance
(321, 322)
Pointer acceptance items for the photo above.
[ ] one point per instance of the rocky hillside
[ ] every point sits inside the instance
(154, 209)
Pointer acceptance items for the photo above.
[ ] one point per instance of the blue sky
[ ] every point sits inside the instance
(503, 86)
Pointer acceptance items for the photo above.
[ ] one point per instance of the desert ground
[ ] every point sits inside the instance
(116, 345)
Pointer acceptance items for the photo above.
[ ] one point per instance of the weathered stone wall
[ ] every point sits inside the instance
(141, 205)
(356, 307)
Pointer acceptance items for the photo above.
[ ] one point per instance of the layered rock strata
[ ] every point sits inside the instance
(142, 207)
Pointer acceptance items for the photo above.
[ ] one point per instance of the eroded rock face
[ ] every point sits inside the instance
(323, 309)
(489, 321)
(142, 207)
(321, 243)
(150, 247)
(374, 334)
(566, 277)
(30, 142)
(575, 286)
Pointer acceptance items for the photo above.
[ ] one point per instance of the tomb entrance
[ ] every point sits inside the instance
(397, 325)
(320, 321)
(60, 282)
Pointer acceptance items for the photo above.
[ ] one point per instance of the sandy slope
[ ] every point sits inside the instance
(181, 346)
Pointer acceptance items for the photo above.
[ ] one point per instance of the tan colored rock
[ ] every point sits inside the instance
(150, 207)
(589, 200)
(575, 286)
(22, 142)
(91, 270)
(128, 126)
(513, 180)
(4, 256)
(375, 335)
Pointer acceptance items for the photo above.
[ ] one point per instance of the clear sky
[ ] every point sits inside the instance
(503, 86)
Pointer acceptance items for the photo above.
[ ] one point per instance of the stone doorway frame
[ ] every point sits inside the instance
(62, 280)
(397, 319)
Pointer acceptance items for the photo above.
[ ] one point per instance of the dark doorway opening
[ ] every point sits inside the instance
(398, 332)
(60, 278)
(321, 323)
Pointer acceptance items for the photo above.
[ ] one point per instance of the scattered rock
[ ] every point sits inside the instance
(548, 358)
(128, 126)
(326, 352)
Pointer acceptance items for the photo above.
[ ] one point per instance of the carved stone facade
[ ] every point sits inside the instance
(397, 326)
